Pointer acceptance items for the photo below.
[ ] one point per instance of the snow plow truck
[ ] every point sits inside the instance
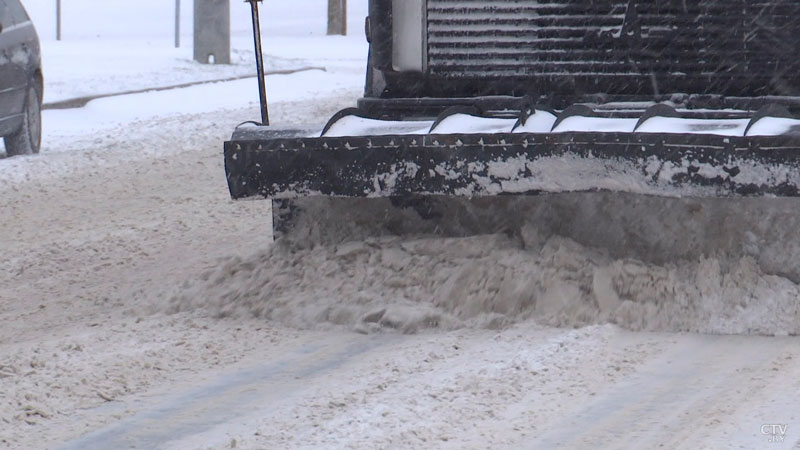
(674, 118)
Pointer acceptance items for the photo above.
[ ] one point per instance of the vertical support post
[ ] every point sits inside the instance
(337, 17)
(177, 23)
(262, 88)
(212, 31)
(58, 20)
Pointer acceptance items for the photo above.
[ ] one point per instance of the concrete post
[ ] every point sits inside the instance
(337, 17)
(212, 31)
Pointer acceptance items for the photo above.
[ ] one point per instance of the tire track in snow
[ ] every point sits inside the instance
(680, 399)
(257, 391)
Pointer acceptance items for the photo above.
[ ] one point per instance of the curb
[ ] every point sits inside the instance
(80, 102)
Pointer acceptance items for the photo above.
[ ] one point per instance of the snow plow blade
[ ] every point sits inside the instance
(332, 189)
(261, 162)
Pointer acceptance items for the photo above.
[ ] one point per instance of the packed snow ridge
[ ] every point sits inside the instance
(491, 281)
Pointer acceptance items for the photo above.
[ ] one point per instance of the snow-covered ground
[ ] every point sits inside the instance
(131, 51)
(117, 45)
(142, 308)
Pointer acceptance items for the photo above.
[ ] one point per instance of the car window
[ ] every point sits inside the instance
(18, 14)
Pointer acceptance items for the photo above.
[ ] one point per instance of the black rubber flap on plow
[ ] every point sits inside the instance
(475, 165)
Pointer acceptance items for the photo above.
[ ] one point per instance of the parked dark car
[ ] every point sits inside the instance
(21, 85)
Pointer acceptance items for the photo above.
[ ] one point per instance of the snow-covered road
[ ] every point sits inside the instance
(104, 237)
(527, 387)
(93, 233)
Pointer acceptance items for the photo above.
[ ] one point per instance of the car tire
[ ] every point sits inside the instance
(28, 138)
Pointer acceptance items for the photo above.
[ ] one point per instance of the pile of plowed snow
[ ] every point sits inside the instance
(490, 281)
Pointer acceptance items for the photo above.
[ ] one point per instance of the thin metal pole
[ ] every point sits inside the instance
(58, 20)
(177, 23)
(262, 88)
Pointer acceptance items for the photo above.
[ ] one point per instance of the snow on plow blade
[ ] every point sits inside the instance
(468, 156)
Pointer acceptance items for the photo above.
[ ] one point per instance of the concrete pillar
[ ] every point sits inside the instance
(212, 31)
(337, 17)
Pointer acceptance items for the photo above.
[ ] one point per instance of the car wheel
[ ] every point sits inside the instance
(28, 138)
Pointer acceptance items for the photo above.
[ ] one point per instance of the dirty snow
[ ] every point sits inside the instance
(489, 282)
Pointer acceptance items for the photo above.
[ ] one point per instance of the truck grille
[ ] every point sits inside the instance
(722, 46)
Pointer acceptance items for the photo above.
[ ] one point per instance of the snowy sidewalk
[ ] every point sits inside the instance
(80, 102)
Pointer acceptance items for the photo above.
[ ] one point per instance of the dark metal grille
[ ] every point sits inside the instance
(729, 47)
